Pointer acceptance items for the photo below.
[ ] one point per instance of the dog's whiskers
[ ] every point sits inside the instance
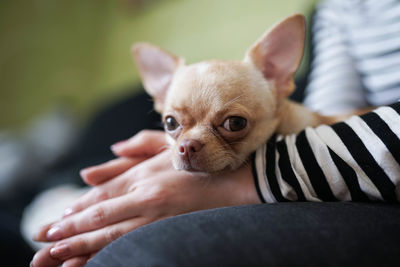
(235, 99)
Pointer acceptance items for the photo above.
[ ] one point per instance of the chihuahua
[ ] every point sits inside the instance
(216, 113)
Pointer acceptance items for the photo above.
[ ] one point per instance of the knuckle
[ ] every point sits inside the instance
(143, 136)
(71, 247)
(156, 197)
(145, 132)
(68, 227)
(135, 181)
(131, 188)
(134, 172)
(138, 173)
(112, 234)
(75, 207)
(99, 217)
(75, 262)
(82, 244)
(100, 194)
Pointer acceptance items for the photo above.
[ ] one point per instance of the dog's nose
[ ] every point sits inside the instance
(189, 147)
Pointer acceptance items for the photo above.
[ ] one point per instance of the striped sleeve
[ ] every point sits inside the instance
(334, 84)
(356, 55)
(354, 160)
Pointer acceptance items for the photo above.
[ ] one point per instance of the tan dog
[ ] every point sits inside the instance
(218, 112)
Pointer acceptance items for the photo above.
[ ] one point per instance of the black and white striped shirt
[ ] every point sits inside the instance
(354, 160)
(356, 55)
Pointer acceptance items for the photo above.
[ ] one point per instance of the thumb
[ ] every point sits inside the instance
(146, 143)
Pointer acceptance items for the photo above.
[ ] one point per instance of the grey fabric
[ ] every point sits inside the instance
(282, 234)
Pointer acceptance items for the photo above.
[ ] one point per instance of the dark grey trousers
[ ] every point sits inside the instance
(284, 234)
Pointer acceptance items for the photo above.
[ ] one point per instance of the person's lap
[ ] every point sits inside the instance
(284, 234)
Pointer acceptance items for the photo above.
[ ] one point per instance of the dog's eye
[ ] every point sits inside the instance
(235, 123)
(171, 124)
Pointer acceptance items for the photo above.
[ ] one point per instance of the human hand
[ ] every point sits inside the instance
(145, 193)
(130, 152)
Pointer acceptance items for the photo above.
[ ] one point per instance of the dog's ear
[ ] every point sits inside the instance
(156, 68)
(277, 54)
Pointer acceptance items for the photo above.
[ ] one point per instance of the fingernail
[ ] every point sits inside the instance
(35, 237)
(62, 250)
(31, 264)
(84, 171)
(54, 233)
(68, 211)
(117, 146)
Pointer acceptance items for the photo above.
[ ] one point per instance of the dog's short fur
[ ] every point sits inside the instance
(218, 112)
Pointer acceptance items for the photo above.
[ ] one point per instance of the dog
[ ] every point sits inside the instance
(215, 112)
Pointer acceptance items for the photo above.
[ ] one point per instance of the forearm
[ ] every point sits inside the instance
(356, 160)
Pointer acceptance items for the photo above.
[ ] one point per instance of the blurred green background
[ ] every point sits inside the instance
(77, 53)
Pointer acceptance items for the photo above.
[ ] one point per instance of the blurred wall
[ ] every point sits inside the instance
(77, 52)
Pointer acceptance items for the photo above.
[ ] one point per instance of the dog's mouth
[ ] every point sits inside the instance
(197, 164)
(190, 164)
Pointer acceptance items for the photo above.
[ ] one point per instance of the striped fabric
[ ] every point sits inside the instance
(356, 55)
(354, 160)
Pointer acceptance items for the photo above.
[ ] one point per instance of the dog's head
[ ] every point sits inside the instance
(218, 112)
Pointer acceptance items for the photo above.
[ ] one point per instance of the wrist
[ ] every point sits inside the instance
(241, 187)
(249, 194)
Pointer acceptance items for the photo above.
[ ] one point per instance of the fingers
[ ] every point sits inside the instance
(95, 217)
(76, 262)
(43, 259)
(110, 189)
(106, 171)
(118, 185)
(95, 195)
(146, 143)
(91, 242)
(40, 236)
(116, 200)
